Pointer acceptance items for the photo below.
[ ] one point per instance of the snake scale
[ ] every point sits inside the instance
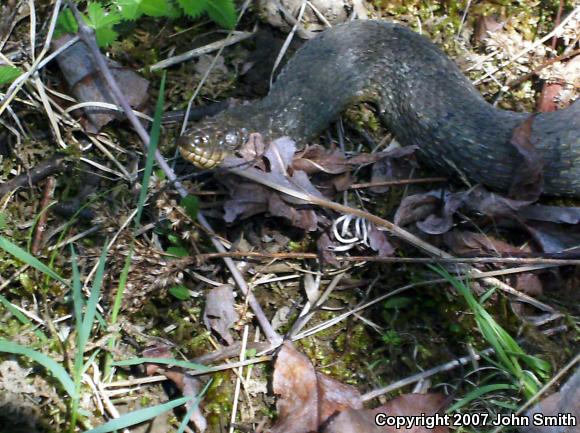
(421, 96)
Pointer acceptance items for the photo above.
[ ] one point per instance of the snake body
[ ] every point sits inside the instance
(421, 96)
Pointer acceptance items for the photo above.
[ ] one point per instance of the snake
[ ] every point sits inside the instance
(420, 95)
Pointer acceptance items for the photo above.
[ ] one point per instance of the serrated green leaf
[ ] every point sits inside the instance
(155, 8)
(180, 292)
(8, 74)
(102, 21)
(66, 23)
(105, 36)
(129, 9)
(191, 205)
(98, 17)
(222, 12)
(193, 8)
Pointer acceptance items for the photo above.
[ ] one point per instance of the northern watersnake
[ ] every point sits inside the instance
(421, 95)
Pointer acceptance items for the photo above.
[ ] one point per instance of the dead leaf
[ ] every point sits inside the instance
(396, 164)
(529, 284)
(316, 159)
(486, 25)
(324, 245)
(466, 243)
(564, 406)
(306, 398)
(415, 208)
(440, 222)
(220, 311)
(408, 406)
(190, 386)
(86, 84)
(379, 242)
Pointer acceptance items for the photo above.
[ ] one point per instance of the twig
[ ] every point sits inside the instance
(87, 36)
(49, 167)
(400, 182)
(431, 372)
(230, 40)
(547, 63)
(531, 47)
(412, 260)
(41, 223)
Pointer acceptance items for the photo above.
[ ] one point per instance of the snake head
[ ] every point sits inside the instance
(207, 145)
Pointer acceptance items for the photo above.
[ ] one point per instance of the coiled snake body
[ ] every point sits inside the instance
(421, 96)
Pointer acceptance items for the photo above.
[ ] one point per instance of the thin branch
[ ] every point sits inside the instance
(88, 37)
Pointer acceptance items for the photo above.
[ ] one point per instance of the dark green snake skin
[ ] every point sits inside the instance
(422, 97)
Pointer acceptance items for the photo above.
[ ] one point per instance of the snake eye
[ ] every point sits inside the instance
(231, 139)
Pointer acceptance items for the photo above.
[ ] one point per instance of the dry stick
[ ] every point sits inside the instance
(40, 228)
(411, 260)
(87, 36)
(544, 65)
(400, 182)
(261, 177)
(428, 373)
(527, 49)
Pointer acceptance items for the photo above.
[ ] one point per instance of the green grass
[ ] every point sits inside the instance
(527, 371)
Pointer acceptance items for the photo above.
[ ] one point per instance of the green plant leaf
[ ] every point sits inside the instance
(102, 21)
(164, 361)
(180, 292)
(29, 259)
(91, 310)
(99, 17)
(478, 392)
(193, 8)
(397, 302)
(130, 9)
(8, 74)
(178, 251)
(138, 416)
(50, 364)
(66, 23)
(223, 12)
(191, 205)
(156, 8)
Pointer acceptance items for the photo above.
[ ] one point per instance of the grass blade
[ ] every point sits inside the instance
(50, 364)
(25, 257)
(138, 416)
(165, 361)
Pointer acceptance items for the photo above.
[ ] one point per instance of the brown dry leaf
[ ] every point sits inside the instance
(396, 164)
(316, 159)
(324, 246)
(436, 224)
(415, 208)
(306, 398)
(564, 404)
(485, 25)
(555, 214)
(220, 311)
(554, 238)
(528, 181)
(408, 405)
(379, 242)
(468, 243)
(250, 199)
(87, 86)
(190, 386)
(529, 284)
